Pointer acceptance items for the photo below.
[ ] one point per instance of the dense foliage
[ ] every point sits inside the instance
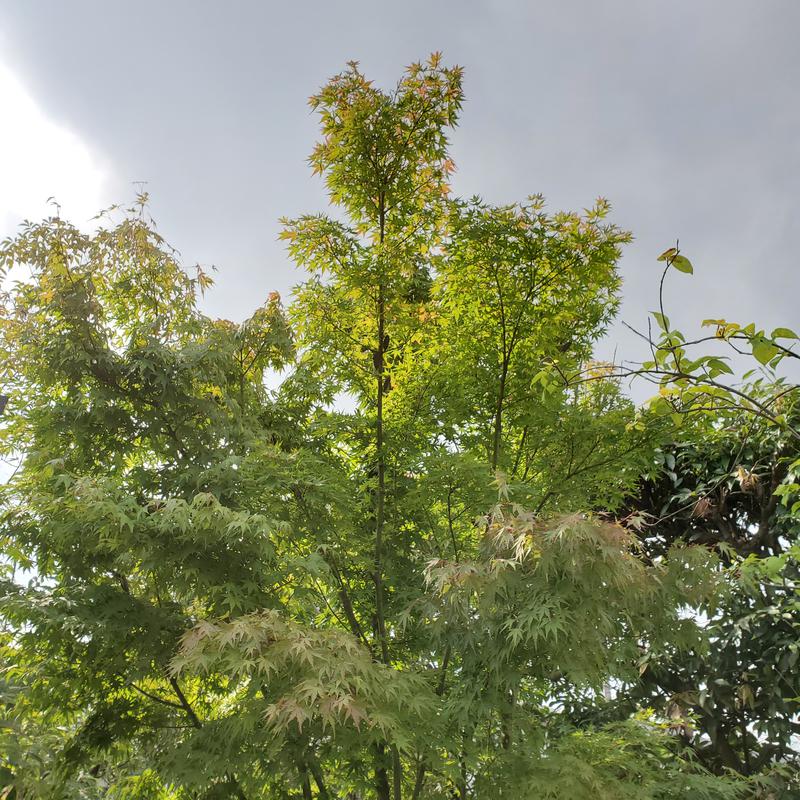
(421, 566)
(729, 486)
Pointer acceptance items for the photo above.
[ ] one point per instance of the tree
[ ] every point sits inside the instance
(254, 594)
(725, 479)
(722, 483)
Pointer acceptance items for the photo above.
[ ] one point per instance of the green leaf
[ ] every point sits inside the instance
(764, 351)
(682, 264)
(662, 320)
(784, 333)
(717, 366)
(667, 254)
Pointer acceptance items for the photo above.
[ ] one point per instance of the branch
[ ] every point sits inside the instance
(158, 699)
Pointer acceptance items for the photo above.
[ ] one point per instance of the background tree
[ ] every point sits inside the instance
(725, 479)
(727, 483)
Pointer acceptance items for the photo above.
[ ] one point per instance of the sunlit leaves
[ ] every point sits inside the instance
(385, 152)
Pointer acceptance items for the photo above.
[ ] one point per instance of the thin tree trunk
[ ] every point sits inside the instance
(397, 773)
(382, 787)
(497, 433)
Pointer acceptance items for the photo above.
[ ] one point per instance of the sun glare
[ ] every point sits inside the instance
(40, 159)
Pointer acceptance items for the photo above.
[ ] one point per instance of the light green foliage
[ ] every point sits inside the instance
(253, 594)
(694, 383)
(326, 676)
(627, 760)
(552, 596)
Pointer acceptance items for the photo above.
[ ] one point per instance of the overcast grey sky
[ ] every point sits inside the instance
(685, 114)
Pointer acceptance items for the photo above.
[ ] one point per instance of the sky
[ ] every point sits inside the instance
(684, 114)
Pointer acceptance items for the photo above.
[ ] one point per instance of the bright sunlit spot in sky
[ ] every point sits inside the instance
(40, 159)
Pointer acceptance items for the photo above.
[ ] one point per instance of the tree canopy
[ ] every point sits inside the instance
(446, 557)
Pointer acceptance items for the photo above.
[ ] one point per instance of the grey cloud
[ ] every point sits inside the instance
(684, 114)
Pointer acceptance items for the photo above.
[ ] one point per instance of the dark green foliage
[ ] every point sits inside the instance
(728, 483)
